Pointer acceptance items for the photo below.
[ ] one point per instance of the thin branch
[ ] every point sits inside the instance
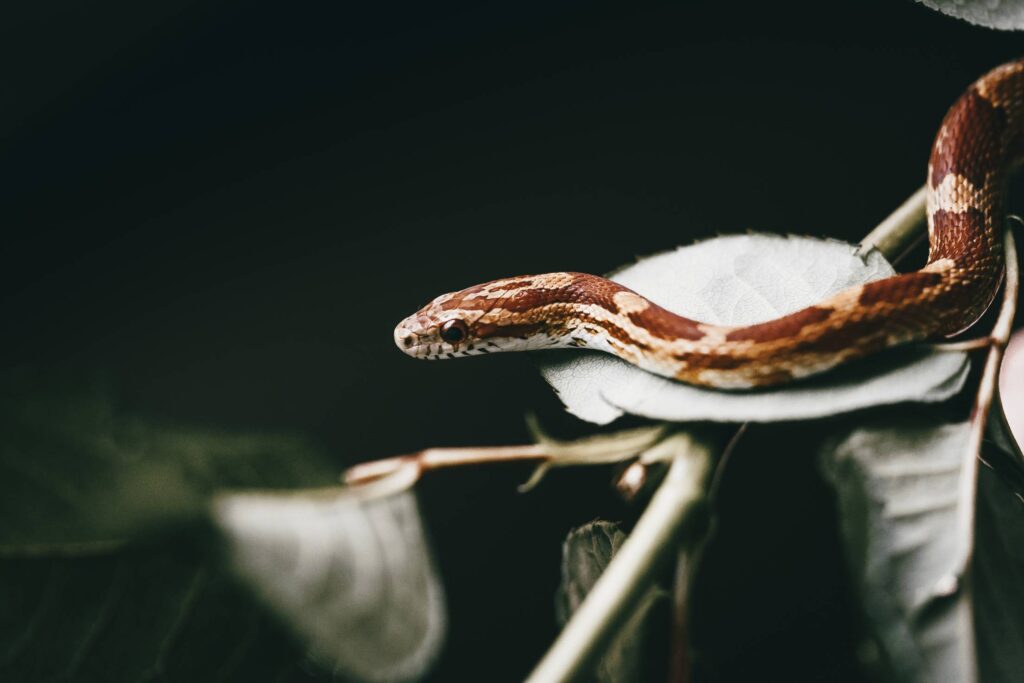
(591, 450)
(688, 562)
(900, 229)
(437, 458)
(632, 571)
(986, 392)
(966, 345)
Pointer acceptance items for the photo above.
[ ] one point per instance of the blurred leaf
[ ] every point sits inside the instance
(900, 500)
(1002, 14)
(743, 280)
(998, 570)
(111, 572)
(352, 576)
(161, 612)
(75, 471)
(640, 650)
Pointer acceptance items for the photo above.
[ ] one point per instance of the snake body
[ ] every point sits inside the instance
(978, 142)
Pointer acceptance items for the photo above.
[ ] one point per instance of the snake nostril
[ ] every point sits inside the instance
(404, 338)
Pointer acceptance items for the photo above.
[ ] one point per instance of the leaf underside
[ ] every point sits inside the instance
(1007, 15)
(901, 500)
(353, 577)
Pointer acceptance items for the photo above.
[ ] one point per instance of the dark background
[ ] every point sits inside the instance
(227, 206)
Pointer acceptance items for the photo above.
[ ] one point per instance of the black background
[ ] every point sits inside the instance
(229, 205)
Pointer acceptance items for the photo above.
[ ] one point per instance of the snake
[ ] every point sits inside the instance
(978, 143)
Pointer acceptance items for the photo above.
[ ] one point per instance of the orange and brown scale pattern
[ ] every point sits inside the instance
(979, 141)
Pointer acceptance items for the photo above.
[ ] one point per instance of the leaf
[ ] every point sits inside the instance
(352, 576)
(639, 652)
(109, 573)
(1007, 15)
(900, 499)
(73, 470)
(998, 572)
(161, 612)
(743, 280)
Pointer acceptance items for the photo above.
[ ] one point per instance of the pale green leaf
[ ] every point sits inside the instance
(640, 650)
(901, 504)
(1007, 15)
(352, 576)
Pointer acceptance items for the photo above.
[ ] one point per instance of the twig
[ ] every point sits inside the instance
(436, 458)
(632, 571)
(591, 450)
(999, 336)
(900, 228)
(966, 345)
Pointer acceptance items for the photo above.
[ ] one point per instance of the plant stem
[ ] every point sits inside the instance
(999, 336)
(632, 571)
(899, 230)
(592, 450)
(435, 458)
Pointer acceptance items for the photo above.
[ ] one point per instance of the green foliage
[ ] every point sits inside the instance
(109, 570)
(940, 584)
(640, 650)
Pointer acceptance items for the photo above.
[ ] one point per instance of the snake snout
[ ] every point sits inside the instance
(413, 336)
(405, 339)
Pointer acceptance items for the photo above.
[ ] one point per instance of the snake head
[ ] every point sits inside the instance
(500, 315)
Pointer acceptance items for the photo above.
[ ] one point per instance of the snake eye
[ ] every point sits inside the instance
(454, 331)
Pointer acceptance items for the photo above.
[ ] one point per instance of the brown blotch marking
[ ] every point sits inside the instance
(582, 289)
(898, 288)
(704, 361)
(478, 304)
(521, 331)
(780, 328)
(616, 332)
(970, 142)
(771, 378)
(510, 285)
(665, 324)
(958, 235)
(866, 335)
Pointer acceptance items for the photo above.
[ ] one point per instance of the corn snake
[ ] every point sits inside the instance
(979, 141)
